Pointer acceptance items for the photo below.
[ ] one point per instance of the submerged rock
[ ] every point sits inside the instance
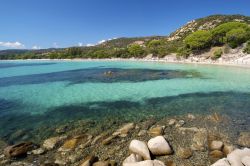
(244, 139)
(101, 163)
(216, 145)
(200, 140)
(19, 149)
(159, 146)
(74, 142)
(51, 143)
(123, 131)
(38, 151)
(140, 148)
(184, 153)
(89, 161)
(156, 131)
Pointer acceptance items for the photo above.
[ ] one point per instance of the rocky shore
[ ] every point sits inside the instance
(188, 140)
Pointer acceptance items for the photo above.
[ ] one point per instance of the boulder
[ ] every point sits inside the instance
(246, 160)
(216, 145)
(159, 146)
(237, 155)
(221, 162)
(89, 161)
(51, 143)
(184, 153)
(133, 158)
(156, 131)
(140, 148)
(18, 150)
(244, 139)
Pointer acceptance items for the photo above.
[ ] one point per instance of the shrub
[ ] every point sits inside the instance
(226, 49)
(184, 52)
(247, 48)
(198, 40)
(236, 37)
(136, 50)
(217, 53)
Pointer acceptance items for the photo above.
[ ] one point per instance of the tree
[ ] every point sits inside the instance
(198, 40)
(136, 50)
(236, 37)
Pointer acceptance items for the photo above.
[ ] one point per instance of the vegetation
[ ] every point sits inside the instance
(217, 53)
(199, 35)
(247, 48)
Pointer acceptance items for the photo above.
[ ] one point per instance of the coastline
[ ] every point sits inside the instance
(239, 62)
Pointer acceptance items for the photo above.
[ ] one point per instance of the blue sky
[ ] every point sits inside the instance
(63, 23)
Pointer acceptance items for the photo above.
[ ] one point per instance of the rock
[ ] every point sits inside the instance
(215, 155)
(221, 162)
(123, 131)
(108, 140)
(38, 151)
(184, 153)
(96, 139)
(89, 161)
(191, 116)
(200, 140)
(228, 149)
(244, 139)
(146, 163)
(156, 131)
(101, 163)
(246, 160)
(19, 149)
(159, 146)
(72, 143)
(190, 129)
(142, 133)
(140, 148)
(171, 122)
(180, 123)
(237, 155)
(51, 143)
(170, 163)
(133, 158)
(216, 145)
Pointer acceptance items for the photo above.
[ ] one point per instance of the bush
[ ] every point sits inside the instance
(236, 37)
(184, 52)
(247, 48)
(198, 40)
(217, 53)
(136, 50)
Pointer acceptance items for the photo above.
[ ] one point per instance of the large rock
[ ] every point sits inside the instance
(221, 162)
(133, 158)
(237, 155)
(216, 145)
(200, 140)
(89, 161)
(140, 148)
(51, 143)
(159, 146)
(156, 131)
(19, 149)
(246, 160)
(146, 163)
(244, 139)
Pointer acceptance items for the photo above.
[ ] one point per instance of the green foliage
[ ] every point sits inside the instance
(184, 52)
(247, 48)
(198, 40)
(136, 50)
(217, 53)
(236, 37)
(228, 29)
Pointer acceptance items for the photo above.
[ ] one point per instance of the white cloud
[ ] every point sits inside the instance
(12, 44)
(80, 44)
(102, 41)
(35, 47)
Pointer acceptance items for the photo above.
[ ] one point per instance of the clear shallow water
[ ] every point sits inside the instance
(41, 93)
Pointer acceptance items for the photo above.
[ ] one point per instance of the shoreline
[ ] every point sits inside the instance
(234, 63)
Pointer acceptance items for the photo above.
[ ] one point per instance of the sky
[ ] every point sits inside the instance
(35, 24)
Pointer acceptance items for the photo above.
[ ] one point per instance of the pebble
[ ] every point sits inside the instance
(184, 153)
(156, 131)
(146, 163)
(216, 145)
(159, 146)
(38, 151)
(89, 161)
(142, 133)
(171, 122)
(51, 143)
(200, 140)
(244, 139)
(140, 148)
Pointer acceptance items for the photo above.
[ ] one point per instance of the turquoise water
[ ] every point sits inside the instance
(40, 93)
